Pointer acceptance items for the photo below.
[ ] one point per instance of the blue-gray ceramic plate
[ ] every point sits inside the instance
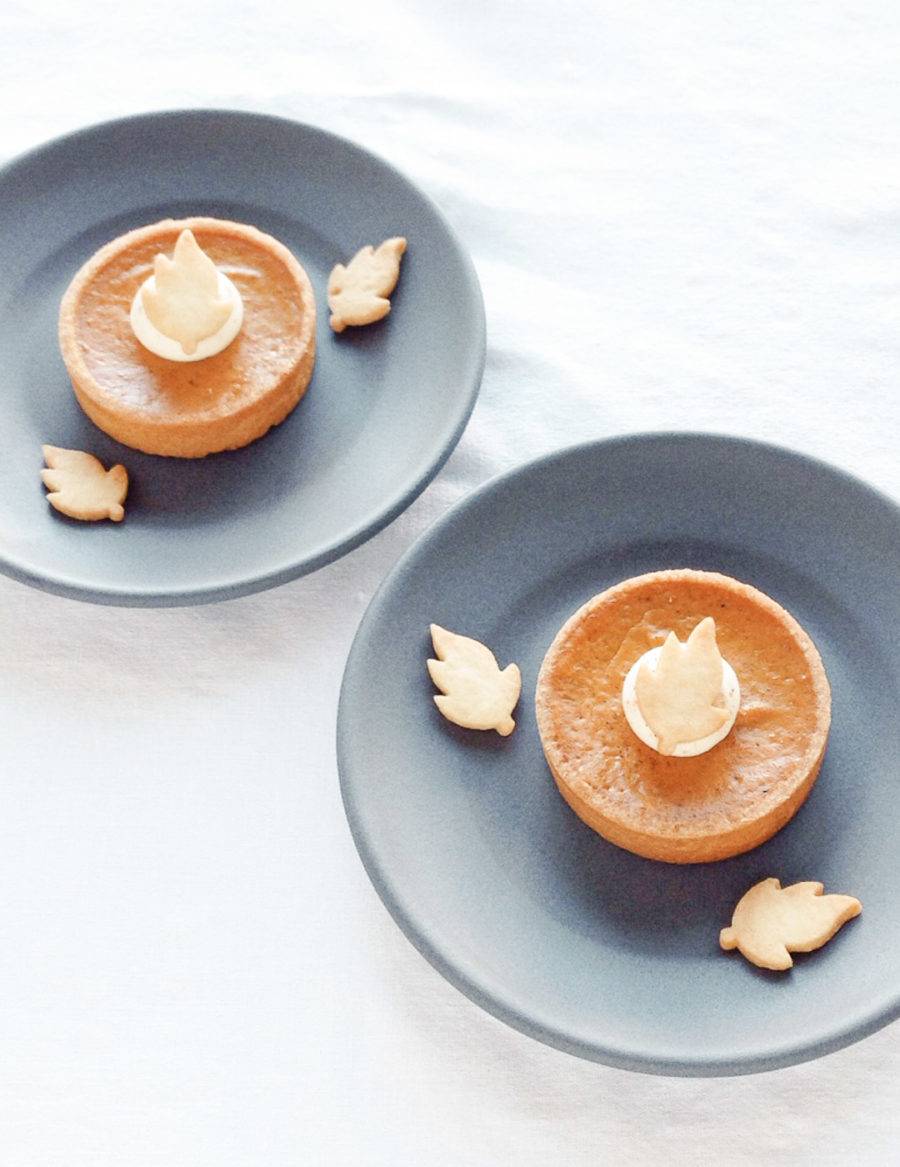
(385, 406)
(520, 905)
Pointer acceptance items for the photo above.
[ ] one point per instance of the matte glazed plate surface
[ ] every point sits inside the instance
(385, 406)
(540, 921)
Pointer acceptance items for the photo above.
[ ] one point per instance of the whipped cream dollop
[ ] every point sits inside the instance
(682, 699)
(188, 309)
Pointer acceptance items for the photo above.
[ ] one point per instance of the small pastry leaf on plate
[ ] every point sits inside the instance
(475, 692)
(81, 488)
(770, 921)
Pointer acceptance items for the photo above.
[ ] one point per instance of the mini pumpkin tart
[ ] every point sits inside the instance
(178, 400)
(660, 750)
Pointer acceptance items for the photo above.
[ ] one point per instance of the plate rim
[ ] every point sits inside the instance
(463, 979)
(68, 584)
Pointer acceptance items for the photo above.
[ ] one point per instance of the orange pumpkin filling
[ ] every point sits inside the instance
(696, 809)
(190, 409)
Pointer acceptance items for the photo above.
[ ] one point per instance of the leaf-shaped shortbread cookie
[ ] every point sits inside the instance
(81, 488)
(474, 692)
(770, 922)
(184, 302)
(681, 698)
(358, 291)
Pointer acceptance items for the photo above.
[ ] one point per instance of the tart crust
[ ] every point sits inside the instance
(684, 810)
(190, 409)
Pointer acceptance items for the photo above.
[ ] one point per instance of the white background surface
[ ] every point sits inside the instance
(683, 216)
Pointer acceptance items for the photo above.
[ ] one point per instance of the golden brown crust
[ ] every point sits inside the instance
(684, 810)
(190, 409)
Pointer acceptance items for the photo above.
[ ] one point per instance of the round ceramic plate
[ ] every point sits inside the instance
(385, 406)
(520, 905)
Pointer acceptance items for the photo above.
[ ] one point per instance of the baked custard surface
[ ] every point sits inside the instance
(716, 804)
(189, 409)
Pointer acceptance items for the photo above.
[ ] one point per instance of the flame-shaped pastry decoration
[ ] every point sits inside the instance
(475, 693)
(681, 697)
(770, 921)
(184, 303)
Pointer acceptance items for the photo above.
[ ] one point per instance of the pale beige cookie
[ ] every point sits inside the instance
(81, 487)
(770, 922)
(183, 302)
(358, 291)
(475, 693)
(681, 698)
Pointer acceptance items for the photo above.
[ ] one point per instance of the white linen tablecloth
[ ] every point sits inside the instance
(683, 216)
